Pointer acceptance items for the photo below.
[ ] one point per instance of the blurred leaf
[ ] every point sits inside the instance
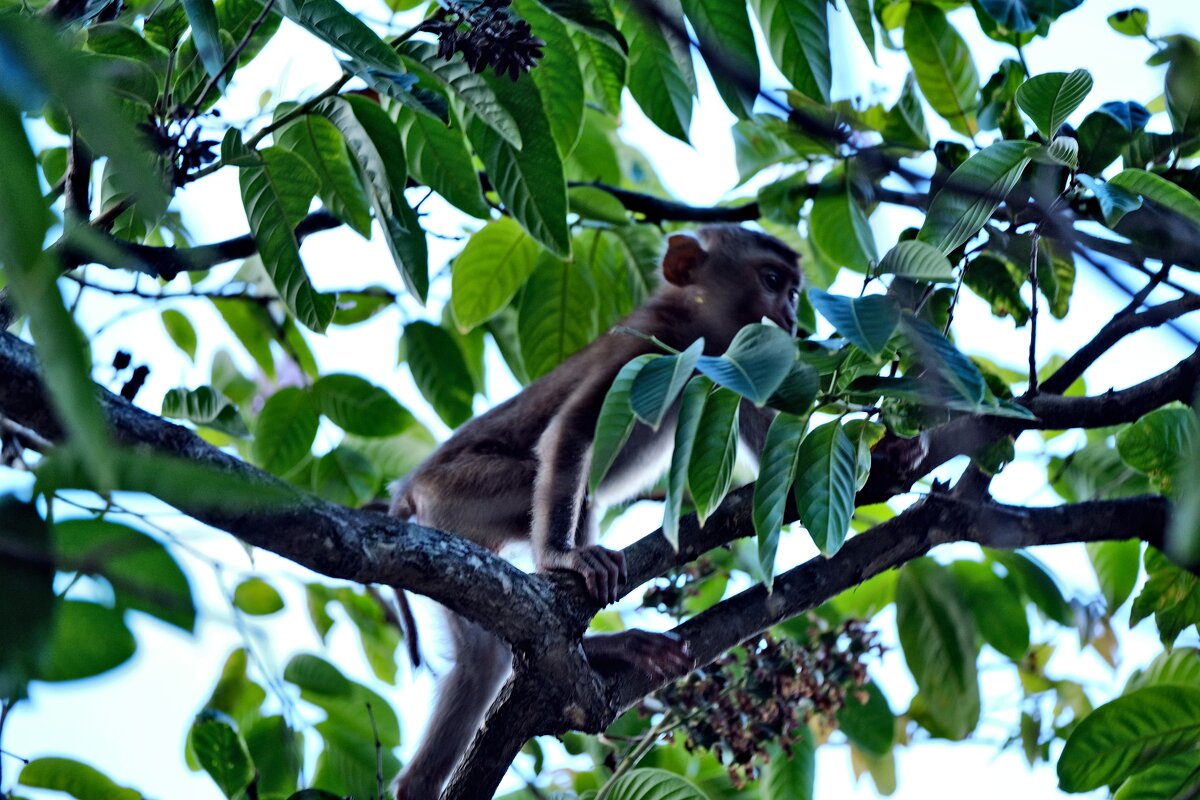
(73, 778)
(996, 606)
(1171, 594)
(1117, 566)
(792, 775)
(285, 430)
(27, 591)
(868, 721)
(356, 405)
(440, 372)
(204, 406)
(1036, 582)
(181, 331)
(256, 597)
(221, 752)
(86, 639)
(727, 45)
(1173, 778)
(839, 226)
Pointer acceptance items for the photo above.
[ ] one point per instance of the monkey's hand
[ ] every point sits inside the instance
(658, 654)
(603, 570)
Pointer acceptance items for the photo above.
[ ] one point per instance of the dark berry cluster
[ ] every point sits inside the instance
(488, 34)
(762, 693)
(668, 593)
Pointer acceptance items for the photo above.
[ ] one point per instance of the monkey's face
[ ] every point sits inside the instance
(777, 291)
(761, 275)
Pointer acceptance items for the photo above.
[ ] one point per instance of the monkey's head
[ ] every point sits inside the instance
(740, 275)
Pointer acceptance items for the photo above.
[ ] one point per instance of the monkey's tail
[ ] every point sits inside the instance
(403, 508)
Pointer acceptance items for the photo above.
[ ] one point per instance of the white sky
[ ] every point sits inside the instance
(132, 722)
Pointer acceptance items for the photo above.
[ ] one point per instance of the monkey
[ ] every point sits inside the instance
(519, 471)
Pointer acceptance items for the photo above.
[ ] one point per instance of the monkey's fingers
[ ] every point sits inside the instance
(605, 570)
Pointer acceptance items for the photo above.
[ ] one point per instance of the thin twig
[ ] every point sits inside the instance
(230, 62)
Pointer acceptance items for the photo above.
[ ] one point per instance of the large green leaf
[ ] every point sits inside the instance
(143, 574)
(615, 421)
(691, 406)
(468, 87)
(1173, 778)
(558, 76)
(798, 37)
(604, 71)
(357, 406)
(1182, 92)
(1117, 566)
(727, 45)
(1157, 444)
(776, 471)
(653, 784)
(375, 142)
(1050, 98)
(868, 321)
(659, 383)
(87, 639)
(1107, 131)
(74, 778)
(27, 589)
(440, 371)
(557, 314)
(337, 27)
(496, 262)
(756, 362)
(826, 474)
(1160, 191)
(529, 180)
(973, 192)
(1036, 583)
(221, 752)
(202, 16)
(661, 77)
(31, 279)
(919, 261)
(864, 20)
(276, 193)
(315, 139)
(792, 775)
(1171, 594)
(996, 606)
(869, 725)
(1129, 734)
(839, 226)
(285, 430)
(714, 451)
(1178, 667)
(938, 639)
(942, 63)
(438, 157)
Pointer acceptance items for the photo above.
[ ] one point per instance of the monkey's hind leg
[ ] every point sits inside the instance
(481, 663)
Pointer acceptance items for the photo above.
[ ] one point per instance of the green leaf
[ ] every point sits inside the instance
(347, 477)
(615, 421)
(221, 752)
(1037, 583)
(276, 195)
(776, 471)
(951, 374)
(1107, 131)
(31, 280)
(868, 321)
(558, 76)
(796, 393)
(839, 225)
(438, 157)
(1183, 532)
(726, 42)
(659, 383)
(997, 607)
(661, 77)
(691, 406)
(202, 16)
(557, 313)
(1160, 191)
(756, 362)
(74, 778)
(27, 588)
(374, 140)
(181, 331)
(1157, 444)
(919, 261)
(604, 70)
(942, 63)
(1115, 202)
(440, 372)
(1129, 734)
(285, 430)
(860, 11)
(869, 724)
(315, 139)
(1133, 22)
(142, 572)
(938, 639)
(1178, 667)
(529, 180)
(355, 307)
(206, 406)
(467, 86)
(356, 405)
(256, 597)
(592, 203)
(1170, 593)
(653, 784)
(798, 37)
(1174, 778)
(905, 124)
(973, 193)
(337, 27)
(496, 262)
(87, 639)
(1181, 91)
(714, 451)
(825, 485)
(1117, 566)
(792, 775)
(1050, 98)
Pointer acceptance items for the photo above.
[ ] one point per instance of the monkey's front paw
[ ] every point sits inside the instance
(603, 570)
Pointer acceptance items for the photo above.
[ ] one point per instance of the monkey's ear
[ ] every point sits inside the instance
(684, 254)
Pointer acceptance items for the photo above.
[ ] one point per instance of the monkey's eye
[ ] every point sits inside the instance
(772, 280)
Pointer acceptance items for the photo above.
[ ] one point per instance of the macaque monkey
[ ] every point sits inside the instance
(519, 472)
